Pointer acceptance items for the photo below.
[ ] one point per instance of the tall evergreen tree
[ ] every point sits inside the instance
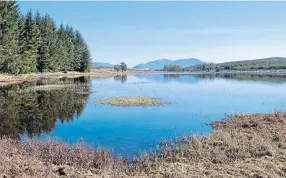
(85, 61)
(29, 39)
(82, 58)
(48, 45)
(79, 51)
(38, 20)
(62, 48)
(9, 35)
(53, 47)
(70, 42)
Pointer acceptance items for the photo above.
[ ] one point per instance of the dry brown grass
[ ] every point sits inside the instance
(53, 158)
(242, 146)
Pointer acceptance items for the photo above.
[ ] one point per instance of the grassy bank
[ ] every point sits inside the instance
(241, 146)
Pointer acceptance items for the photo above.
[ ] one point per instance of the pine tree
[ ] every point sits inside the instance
(85, 62)
(29, 39)
(9, 35)
(82, 57)
(53, 47)
(79, 51)
(46, 60)
(62, 48)
(70, 42)
(38, 20)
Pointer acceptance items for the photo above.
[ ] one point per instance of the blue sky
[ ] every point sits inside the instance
(137, 32)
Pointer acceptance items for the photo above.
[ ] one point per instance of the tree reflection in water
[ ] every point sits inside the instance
(36, 111)
(122, 78)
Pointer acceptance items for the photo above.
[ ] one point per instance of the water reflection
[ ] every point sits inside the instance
(122, 78)
(194, 78)
(243, 77)
(35, 111)
(165, 78)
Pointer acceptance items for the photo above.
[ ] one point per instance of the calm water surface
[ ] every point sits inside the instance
(71, 113)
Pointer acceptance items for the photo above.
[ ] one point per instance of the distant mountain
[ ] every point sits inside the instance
(101, 64)
(159, 64)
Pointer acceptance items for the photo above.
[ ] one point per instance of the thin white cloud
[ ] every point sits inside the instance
(191, 31)
(234, 31)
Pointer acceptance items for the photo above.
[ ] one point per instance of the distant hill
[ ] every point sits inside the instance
(159, 64)
(101, 64)
(253, 61)
(271, 63)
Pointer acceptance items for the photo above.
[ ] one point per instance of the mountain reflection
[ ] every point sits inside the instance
(35, 111)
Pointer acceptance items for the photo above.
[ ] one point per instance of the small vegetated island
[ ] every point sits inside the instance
(131, 101)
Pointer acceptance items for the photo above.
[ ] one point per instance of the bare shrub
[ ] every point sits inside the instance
(78, 154)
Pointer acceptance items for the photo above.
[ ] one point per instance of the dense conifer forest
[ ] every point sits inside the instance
(32, 43)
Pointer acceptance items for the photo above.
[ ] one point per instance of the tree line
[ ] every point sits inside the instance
(231, 66)
(240, 66)
(33, 43)
(175, 68)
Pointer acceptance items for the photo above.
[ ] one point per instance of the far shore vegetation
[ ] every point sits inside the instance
(241, 146)
(274, 63)
(131, 101)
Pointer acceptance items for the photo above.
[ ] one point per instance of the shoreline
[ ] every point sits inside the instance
(234, 149)
(257, 72)
(6, 79)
